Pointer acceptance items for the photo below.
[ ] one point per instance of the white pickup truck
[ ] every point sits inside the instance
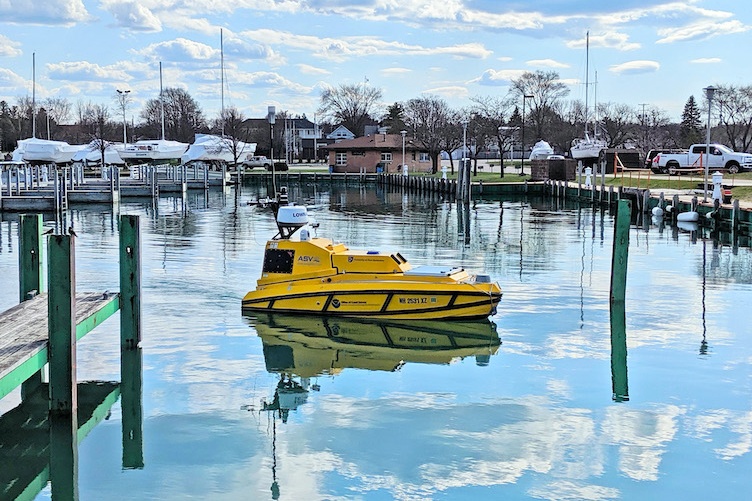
(721, 157)
(257, 161)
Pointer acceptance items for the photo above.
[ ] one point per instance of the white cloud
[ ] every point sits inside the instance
(700, 31)
(546, 63)
(342, 49)
(134, 16)
(312, 70)
(608, 39)
(86, 71)
(706, 60)
(8, 47)
(395, 71)
(179, 50)
(451, 91)
(497, 77)
(635, 67)
(9, 80)
(48, 12)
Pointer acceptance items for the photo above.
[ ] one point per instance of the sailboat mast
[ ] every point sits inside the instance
(161, 99)
(33, 94)
(222, 78)
(587, 74)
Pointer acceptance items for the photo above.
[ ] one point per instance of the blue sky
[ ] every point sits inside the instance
(284, 52)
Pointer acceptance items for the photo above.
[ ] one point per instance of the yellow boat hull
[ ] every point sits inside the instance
(399, 300)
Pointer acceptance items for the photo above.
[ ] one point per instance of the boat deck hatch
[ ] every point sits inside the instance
(433, 271)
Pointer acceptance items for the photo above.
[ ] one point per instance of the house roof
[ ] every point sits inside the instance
(376, 142)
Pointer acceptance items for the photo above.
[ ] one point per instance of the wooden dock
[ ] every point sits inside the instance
(24, 339)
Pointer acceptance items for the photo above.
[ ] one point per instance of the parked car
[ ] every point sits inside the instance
(257, 161)
(653, 153)
(721, 157)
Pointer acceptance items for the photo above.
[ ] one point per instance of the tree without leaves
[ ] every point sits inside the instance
(489, 113)
(182, 115)
(237, 133)
(546, 91)
(733, 104)
(434, 125)
(617, 121)
(352, 105)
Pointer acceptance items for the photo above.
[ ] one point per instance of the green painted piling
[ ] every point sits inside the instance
(130, 282)
(131, 390)
(62, 323)
(30, 257)
(620, 251)
(619, 381)
(30, 275)
(64, 456)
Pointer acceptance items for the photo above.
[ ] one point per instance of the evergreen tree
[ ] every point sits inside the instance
(691, 126)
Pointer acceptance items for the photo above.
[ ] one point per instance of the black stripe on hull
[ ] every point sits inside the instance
(452, 306)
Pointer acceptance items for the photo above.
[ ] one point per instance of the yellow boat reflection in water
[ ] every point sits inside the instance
(313, 346)
(304, 274)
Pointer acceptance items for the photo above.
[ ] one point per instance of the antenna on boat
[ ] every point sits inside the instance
(33, 94)
(290, 218)
(161, 99)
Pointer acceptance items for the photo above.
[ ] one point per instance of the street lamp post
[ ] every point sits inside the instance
(123, 97)
(404, 133)
(271, 115)
(465, 173)
(525, 97)
(709, 91)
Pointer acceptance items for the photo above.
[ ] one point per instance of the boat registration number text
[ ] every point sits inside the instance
(413, 300)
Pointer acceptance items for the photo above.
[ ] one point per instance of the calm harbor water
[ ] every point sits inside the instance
(521, 407)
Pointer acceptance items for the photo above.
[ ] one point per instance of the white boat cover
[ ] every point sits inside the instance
(541, 150)
(208, 148)
(153, 149)
(37, 150)
(92, 156)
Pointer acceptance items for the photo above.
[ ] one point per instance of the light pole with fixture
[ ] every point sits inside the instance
(403, 132)
(709, 92)
(123, 98)
(464, 174)
(271, 115)
(525, 97)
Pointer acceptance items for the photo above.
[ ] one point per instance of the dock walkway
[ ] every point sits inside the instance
(24, 333)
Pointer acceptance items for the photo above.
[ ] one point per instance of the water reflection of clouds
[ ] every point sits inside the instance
(453, 446)
(729, 423)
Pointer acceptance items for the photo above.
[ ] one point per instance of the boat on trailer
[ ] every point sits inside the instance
(307, 274)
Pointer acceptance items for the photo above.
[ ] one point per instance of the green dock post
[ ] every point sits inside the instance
(30, 257)
(64, 456)
(619, 381)
(620, 250)
(62, 324)
(31, 282)
(131, 390)
(130, 282)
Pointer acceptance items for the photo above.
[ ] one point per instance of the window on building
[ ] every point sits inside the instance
(386, 156)
(341, 159)
(424, 156)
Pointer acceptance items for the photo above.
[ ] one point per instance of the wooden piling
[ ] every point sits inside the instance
(130, 281)
(620, 253)
(62, 324)
(30, 257)
(31, 278)
(619, 380)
